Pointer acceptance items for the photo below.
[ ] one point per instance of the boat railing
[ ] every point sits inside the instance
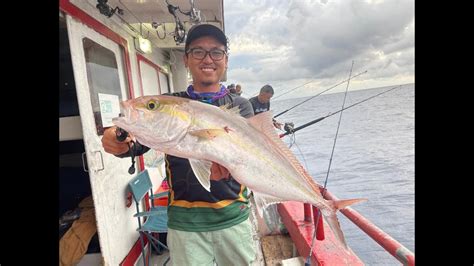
(395, 248)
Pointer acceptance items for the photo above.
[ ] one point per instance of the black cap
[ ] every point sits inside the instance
(201, 30)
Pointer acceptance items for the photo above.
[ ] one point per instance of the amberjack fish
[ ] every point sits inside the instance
(248, 147)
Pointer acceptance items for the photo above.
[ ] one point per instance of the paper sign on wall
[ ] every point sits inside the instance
(109, 108)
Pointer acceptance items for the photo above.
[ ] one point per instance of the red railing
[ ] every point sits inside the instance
(396, 249)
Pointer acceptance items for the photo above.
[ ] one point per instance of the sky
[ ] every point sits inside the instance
(288, 43)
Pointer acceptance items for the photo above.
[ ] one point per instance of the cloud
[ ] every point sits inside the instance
(283, 41)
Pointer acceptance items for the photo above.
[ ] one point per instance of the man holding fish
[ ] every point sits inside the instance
(204, 226)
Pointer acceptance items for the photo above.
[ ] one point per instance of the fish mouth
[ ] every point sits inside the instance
(127, 116)
(120, 122)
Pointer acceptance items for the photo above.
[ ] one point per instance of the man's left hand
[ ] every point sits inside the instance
(219, 172)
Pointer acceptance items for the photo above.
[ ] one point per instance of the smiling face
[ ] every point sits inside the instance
(206, 72)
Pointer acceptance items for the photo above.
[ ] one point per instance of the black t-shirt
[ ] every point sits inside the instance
(259, 107)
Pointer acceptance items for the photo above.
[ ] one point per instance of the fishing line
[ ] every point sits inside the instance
(293, 130)
(319, 93)
(308, 262)
(293, 142)
(294, 89)
(337, 132)
(302, 155)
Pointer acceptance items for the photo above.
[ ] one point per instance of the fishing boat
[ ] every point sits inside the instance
(121, 49)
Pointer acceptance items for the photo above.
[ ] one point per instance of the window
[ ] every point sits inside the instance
(153, 80)
(103, 78)
(164, 82)
(149, 76)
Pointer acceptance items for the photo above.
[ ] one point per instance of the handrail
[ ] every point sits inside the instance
(394, 247)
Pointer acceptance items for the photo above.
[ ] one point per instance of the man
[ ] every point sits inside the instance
(203, 226)
(231, 88)
(261, 102)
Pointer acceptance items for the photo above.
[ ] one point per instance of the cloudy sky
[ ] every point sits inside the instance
(289, 43)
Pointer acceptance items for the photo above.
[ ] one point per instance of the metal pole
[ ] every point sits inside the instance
(307, 212)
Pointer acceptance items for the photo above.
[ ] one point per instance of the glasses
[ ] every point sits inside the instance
(199, 53)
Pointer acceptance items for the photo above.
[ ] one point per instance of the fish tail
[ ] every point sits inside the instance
(333, 223)
(341, 204)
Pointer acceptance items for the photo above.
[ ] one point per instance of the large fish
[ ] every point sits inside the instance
(249, 148)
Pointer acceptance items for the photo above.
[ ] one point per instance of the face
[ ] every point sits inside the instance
(264, 97)
(206, 72)
(237, 89)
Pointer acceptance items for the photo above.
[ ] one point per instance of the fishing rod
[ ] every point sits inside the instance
(319, 94)
(308, 259)
(290, 130)
(121, 135)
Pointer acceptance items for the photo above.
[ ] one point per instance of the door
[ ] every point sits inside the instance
(100, 84)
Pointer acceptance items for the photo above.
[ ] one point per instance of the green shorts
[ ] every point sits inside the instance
(230, 246)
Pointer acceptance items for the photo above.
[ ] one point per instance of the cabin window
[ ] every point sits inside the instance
(164, 85)
(104, 83)
(149, 76)
(153, 79)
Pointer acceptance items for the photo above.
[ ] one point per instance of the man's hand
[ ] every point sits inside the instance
(112, 145)
(219, 172)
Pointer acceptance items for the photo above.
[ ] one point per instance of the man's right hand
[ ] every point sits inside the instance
(112, 145)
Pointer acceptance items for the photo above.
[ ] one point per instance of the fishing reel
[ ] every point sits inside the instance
(289, 127)
(121, 135)
(179, 31)
(106, 10)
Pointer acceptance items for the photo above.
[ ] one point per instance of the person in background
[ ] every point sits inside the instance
(231, 88)
(238, 89)
(203, 227)
(261, 102)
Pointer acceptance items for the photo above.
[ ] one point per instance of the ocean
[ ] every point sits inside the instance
(373, 158)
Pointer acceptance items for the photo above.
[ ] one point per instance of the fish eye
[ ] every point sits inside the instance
(152, 105)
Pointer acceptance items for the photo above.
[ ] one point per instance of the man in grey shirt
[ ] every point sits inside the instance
(261, 102)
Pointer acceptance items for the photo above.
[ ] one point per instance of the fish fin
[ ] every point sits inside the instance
(208, 134)
(263, 122)
(225, 106)
(202, 171)
(233, 110)
(263, 200)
